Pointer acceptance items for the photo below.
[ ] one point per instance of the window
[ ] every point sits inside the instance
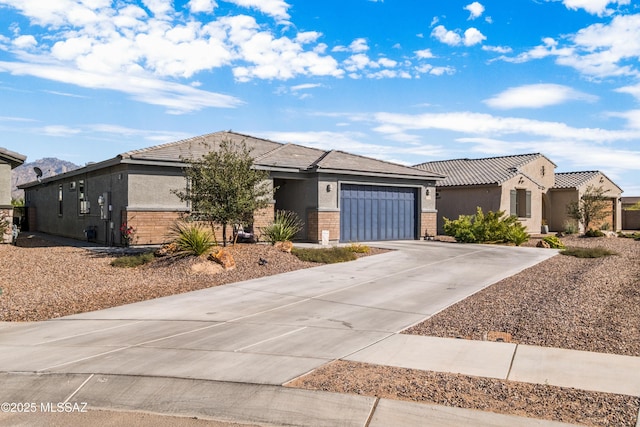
(83, 203)
(60, 199)
(521, 203)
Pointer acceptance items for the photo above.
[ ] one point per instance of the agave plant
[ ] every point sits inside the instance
(285, 226)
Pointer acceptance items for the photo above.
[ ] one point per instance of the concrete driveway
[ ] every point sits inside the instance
(266, 331)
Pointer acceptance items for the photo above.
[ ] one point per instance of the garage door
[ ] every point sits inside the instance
(370, 212)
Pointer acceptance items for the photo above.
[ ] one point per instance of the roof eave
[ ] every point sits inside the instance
(379, 174)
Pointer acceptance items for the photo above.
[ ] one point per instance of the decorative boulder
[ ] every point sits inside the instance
(224, 258)
(168, 249)
(543, 244)
(285, 246)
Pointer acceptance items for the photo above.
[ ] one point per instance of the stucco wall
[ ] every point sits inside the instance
(557, 215)
(72, 223)
(153, 188)
(5, 184)
(453, 202)
(521, 182)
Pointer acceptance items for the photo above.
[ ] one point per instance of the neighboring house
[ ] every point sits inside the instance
(339, 196)
(571, 186)
(524, 185)
(8, 161)
(516, 185)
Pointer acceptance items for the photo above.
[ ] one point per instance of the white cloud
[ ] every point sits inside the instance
(305, 86)
(159, 8)
(537, 96)
(475, 10)
(202, 6)
(177, 98)
(595, 7)
(599, 50)
(472, 36)
(445, 36)
(25, 42)
(498, 49)
(356, 46)
(274, 8)
(59, 130)
(424, 54)
(487, 125)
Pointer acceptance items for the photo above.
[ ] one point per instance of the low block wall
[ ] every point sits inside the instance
(631, 220)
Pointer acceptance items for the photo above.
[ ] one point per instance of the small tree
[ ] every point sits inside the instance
(591, 208)
(224, 188)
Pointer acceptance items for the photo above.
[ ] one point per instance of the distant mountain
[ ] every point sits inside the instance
(49, 165)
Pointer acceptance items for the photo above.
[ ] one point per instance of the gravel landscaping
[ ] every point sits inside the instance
(41, 280)
(566, 302)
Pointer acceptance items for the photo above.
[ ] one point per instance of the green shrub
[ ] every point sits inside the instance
(570, 227)
(129, 261)
(554, 242)
(635, 235)
(192, 238)
(357, 248)
(492, 227)
(284, 227)
(588, 252)
(605, 227)
(593, 233)
(324, 255)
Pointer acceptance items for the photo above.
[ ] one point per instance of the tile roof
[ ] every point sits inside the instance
(486, 171)
(573, 179)
(272, 154)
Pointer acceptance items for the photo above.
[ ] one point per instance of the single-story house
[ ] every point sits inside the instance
(8, 161)
(524, 185)
(337, 195)
(571, 186)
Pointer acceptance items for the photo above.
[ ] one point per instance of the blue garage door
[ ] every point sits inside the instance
(370, 212)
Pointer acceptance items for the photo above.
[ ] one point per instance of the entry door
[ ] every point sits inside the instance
(371, 212)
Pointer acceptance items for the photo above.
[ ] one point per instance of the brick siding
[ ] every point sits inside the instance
(318, 221)
(428, 224)
(152, 227)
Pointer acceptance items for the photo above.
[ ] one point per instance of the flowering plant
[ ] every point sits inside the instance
(127, 232)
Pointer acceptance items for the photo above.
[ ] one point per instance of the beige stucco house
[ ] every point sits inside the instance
(339, 196)
(524, 185)
(571, 186)
(8, 161)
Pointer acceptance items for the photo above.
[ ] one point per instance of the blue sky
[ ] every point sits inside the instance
(400, 80)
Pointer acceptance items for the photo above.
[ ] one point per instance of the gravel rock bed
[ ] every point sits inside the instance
(564, 302)
(514, 398)
(43, 281)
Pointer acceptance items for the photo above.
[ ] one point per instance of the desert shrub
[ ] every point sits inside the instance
(554, 242)
(129, 261)
(570, 227)
(588, 252)
(191, 238)
(593, 233)
(358, 248)
(284, 227)
(492, 227)
(606, 226)
(324, 255)
(635, 235)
